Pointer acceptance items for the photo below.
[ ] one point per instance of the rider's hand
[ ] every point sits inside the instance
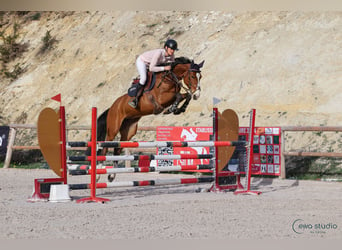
(167, 67)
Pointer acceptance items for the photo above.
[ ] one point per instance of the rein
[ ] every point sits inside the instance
(174, 79)
(177, 81)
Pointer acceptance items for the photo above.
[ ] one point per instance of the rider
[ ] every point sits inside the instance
(151, 60)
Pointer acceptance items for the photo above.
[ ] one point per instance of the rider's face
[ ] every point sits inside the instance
(169, 51)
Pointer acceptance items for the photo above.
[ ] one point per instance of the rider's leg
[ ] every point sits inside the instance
(134, 102)
(141, 66)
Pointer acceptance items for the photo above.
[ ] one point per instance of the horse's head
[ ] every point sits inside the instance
(191, 75)
(193, 79)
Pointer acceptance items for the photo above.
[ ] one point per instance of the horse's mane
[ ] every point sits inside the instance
(180, 60)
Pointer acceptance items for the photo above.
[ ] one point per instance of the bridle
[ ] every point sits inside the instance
(187, 88)
(178, 80)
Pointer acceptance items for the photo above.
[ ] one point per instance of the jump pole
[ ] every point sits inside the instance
(141, 157)
(63, 143)
(216, 186)
(93, 158)
(247, 189)
(157, 182)
(112, 170)
(156, 144)
(93, 197)
(93, 170)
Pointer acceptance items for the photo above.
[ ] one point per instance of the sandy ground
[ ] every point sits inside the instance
(172, 212)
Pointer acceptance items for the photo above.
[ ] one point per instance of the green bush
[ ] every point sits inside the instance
(48, 42)
(9, 51)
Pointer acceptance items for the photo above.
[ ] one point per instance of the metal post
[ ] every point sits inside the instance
(10, 144)
(282, 160)
(93, 162)
(63, 144)
(215, 137)
(249, 158)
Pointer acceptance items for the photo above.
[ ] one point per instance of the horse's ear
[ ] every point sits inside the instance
(201, 64)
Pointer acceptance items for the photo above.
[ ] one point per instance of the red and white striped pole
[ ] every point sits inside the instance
(93, 197)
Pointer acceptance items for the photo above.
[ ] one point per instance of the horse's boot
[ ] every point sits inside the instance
(134, 102)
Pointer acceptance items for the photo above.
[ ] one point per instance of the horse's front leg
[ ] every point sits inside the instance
(182, 109)
(174, 106)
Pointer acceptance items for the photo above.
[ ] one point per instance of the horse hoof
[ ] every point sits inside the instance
(166, 112)
(111, 177)
(177, 112)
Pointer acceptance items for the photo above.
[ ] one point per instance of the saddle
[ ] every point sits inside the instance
(150, 82)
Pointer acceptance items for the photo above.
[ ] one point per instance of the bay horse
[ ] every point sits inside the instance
(164, 96)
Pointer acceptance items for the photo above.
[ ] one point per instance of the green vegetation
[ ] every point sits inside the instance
(313, 168)
(48, 42)
(10, 49)
(101, 84)
(151, 25)
(14, 74)
(36, 16)
(36, 165)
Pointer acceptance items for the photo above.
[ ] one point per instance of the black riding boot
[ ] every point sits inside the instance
(134, 102)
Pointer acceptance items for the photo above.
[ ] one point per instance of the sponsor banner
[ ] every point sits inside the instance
(266, 148)
(184, 134)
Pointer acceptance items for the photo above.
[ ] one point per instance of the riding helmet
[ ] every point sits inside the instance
(172, 44)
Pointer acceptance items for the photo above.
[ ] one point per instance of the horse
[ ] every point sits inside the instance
(165, 96)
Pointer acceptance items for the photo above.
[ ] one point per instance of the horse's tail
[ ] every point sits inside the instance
(101, 130)
(102, 126)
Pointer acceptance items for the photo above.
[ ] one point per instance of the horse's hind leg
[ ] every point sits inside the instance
(114, 121)
(128, 129)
